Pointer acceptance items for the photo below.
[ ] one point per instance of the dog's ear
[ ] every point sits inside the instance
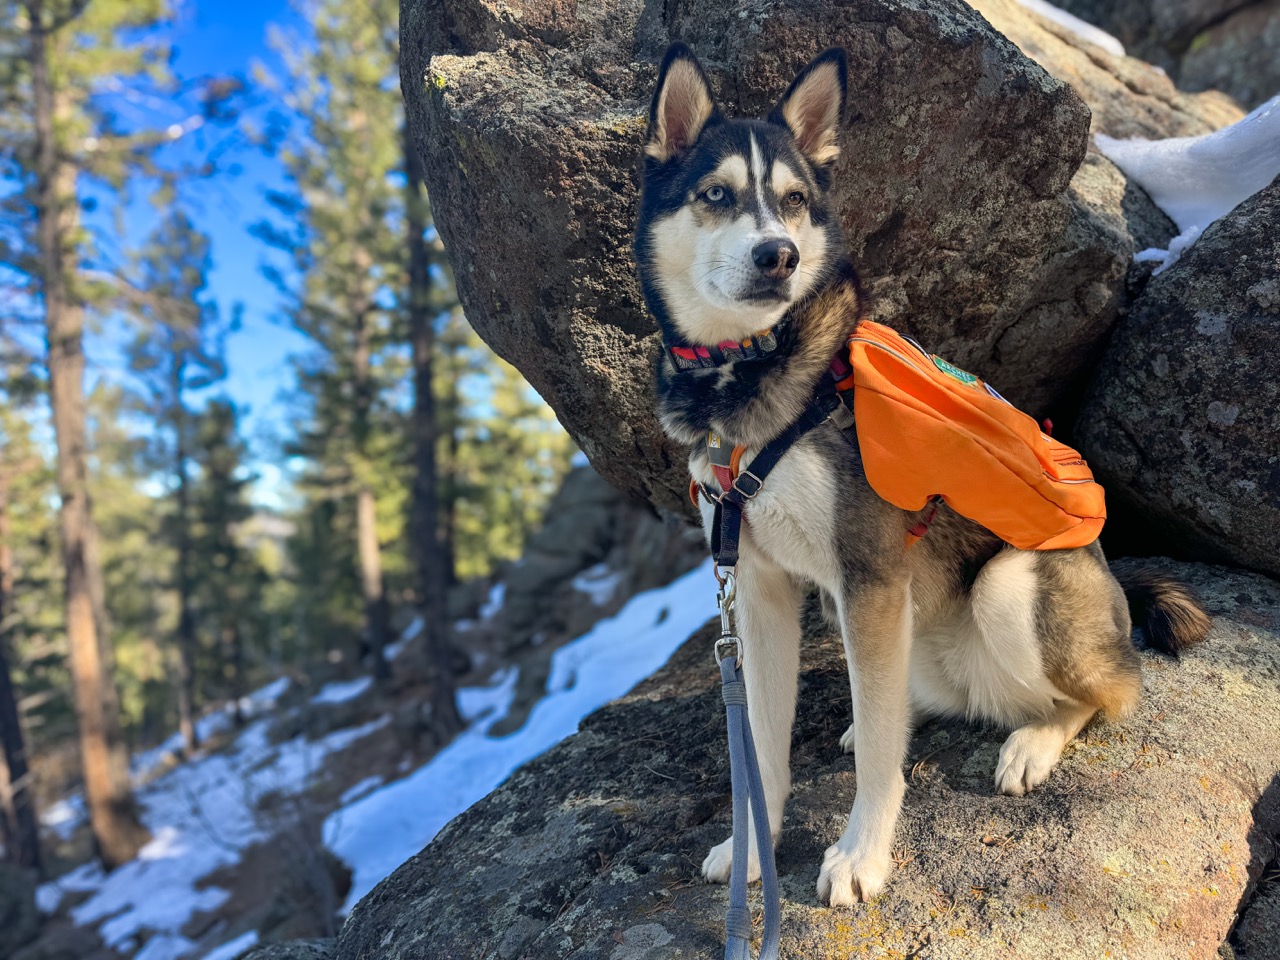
(813, 106)
(682, 105)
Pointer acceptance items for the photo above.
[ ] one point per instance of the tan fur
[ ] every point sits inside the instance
(683, 109)
(811, 113)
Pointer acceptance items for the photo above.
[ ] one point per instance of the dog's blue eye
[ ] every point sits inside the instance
(716, 195)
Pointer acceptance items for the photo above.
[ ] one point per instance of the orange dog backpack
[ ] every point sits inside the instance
(927, 428)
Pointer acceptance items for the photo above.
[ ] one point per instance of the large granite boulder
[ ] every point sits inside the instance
(1182, 422)
(1227, 45)
(1128, 97)
(1240, 55)
(952, 187)
(1141, 843)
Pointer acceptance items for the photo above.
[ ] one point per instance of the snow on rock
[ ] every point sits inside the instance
(65, 816)
(355, 792)
(1082, 29)
(493, 606)
(376, 834)
(202, 815)
(1196, 180)
(476, 703)
(599, 583)
(341, 691)
(234, 948)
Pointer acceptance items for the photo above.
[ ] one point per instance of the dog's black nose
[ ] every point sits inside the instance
(776, 259)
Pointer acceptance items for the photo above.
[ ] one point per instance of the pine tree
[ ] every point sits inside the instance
(176, 349)
(342, 242)
(230, 590)
(18, 825)
(71, 46)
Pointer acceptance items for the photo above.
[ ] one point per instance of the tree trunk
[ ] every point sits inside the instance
(376, 613)
(424, 521)
(112, 812)
(17, 809)
(186, 617)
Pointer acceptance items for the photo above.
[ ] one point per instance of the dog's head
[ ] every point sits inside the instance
(735, 221)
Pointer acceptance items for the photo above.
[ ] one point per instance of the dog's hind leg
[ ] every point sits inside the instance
(1032, 750)
(877, 629)
(768, 620)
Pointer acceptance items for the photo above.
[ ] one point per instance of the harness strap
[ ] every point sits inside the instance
(726, 526)
(744, 773)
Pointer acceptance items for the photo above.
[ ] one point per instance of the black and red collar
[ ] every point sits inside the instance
(727, 351)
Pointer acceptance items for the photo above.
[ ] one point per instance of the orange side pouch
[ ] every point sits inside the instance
(927, 428)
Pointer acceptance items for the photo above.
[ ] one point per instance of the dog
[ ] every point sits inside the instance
(738, 243)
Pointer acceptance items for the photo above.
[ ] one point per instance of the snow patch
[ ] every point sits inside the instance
(233, 948)
(202, 815)
(367, 785)
(1196, 180)
(342, 691)
(376, 834)
(493, 606)
(475, 703)
(599, 583)
(1082, 29)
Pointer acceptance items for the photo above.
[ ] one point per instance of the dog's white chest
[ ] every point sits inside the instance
(792, 519)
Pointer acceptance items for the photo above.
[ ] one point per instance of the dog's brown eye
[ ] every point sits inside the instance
(795, 199)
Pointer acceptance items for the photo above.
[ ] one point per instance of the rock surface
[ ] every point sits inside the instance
(1258, 934)
(1240, 55)
(1228, 45)
(296, 950)
(1142, 842)
(1182, 420)
(1128, 97)
(953, 187)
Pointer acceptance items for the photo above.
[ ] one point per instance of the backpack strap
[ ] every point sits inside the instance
(726, 526)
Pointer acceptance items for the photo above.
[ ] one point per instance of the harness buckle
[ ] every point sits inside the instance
(747, 475)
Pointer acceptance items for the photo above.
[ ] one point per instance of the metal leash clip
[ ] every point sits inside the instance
(724, 599)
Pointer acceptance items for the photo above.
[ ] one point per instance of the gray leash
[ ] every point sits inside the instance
(744, 772)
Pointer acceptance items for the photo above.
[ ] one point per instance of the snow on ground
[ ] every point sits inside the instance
(493, 606)
(66, 816)
(202, 816)
(599, 583)
(341, 691)
(376, 834)
(1196, 180)
(233, 948)
(1082, 29)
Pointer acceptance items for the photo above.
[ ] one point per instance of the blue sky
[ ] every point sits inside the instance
(218, 39)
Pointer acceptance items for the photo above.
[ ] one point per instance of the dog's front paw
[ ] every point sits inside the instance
(848, 876)
(1026, 759)
(719, 863)
(846, 740)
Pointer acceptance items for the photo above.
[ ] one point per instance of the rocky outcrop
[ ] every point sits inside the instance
(596, 549)
(1258, 933)
(1181, 424)
(1228, 45)
(1240, 55)
(1142, 842)
(295, 950)
(955, 190)
(595, 544)
(1128, 97)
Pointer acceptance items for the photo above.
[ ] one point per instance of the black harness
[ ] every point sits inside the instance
(726, 525)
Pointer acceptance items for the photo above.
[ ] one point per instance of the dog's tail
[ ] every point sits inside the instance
(1166, 614)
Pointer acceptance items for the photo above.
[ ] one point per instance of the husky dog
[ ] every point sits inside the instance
(737, 235)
